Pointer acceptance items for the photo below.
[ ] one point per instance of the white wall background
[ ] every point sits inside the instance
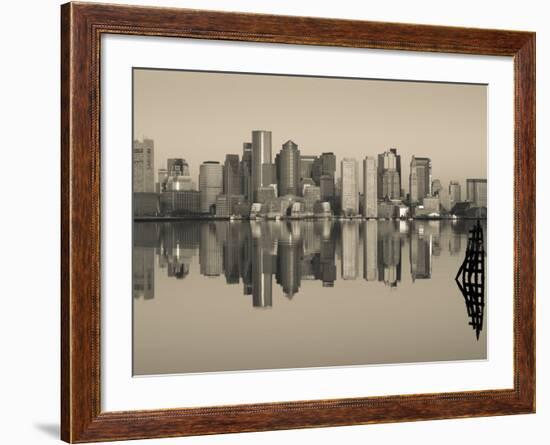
(29, 111)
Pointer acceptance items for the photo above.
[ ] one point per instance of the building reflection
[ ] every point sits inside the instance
(291, 253)
(389, 253)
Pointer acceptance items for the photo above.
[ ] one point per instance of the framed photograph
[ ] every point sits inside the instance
(274, 222)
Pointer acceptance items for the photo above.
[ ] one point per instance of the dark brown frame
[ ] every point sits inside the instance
(82, 25)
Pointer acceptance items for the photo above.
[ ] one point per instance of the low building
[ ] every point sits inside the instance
(428, 209)
(266, 193)
(183, 202)
(312, 194)
(226, 206)
(146, 204)
(388, 210)
(322, 209)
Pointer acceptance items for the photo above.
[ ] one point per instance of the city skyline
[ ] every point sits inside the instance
(192, 114)
(288, 184)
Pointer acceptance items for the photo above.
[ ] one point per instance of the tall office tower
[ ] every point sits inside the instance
(420, 179)
(350, 250)
(288, 169)
(454, 192)
(349, 194)
(391, 185)
(328, 163)
(389, 174)
(306, 166)
(210, 184)
(262, 166)
(144, 166)
(476, 192)
(370, 184)
(370, 250)
(328, 190)
(231, 178)
(246, 172)
(323, 165)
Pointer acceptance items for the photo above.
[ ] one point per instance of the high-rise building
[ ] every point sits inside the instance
(210, 184)
(420, 179)
(370, 184)
(454, 192)
(349, 194)
(306, 166)
(246, 171)
(323, 165)
(328, 190)
(389, 175)
(231, 176)
(144, 166)
(476, 192)
(262, 167)
(288, 169)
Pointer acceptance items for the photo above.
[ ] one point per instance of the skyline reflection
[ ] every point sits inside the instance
(254, 253)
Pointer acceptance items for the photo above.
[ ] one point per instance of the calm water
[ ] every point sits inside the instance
(221, 296)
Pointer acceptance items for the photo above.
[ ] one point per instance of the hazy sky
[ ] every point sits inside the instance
(203, 116)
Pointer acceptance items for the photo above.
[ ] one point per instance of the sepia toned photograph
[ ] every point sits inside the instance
(284, 221)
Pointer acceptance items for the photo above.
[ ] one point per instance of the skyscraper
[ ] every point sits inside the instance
(454, 192)
(349, 193)
(231, 178)
(210, 184)
(389, 175)
(288, 169)
(306, 166)
(246, 172)
(144, 166)
(420, 179)
(370, 183)
(262, 166)
(476, 192)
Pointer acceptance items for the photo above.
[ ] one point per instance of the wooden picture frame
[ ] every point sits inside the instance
(82, 25)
